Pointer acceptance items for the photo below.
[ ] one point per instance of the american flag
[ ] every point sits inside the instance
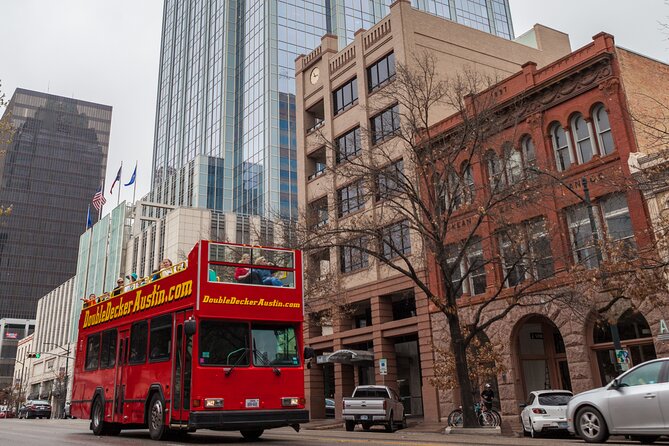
(99, 199)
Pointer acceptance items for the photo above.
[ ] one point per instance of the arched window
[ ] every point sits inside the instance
(514, 165)
(561, 147)
(468, 182)
(528, 151)
(495, 173)
(603, 129)
(582, 138)
(453, 191)
(635, 337)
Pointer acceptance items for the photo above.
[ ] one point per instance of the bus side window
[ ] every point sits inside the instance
(138, 340)
(108, 349)
(92, 352)
(161, 337)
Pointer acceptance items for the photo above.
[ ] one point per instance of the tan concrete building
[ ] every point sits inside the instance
(385, 317)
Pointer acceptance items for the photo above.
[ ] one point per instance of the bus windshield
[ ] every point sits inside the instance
(226, 344)
(273, 346)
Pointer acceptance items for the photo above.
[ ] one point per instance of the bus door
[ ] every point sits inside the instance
(119, 382)
(182, 365)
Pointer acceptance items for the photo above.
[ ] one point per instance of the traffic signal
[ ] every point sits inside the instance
(34, 355)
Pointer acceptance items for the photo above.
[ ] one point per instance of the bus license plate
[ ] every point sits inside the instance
(250, 403)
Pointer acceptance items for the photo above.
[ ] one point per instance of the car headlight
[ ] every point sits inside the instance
(210, 403)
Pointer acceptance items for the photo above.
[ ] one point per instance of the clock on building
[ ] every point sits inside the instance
(315, 75)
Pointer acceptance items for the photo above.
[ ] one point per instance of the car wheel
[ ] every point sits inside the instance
(645, 439)
(533, 433)
(390, 427)
(252, 435)
(591, 426)
(156, 420)
(350, 425)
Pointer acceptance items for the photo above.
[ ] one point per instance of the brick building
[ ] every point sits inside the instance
(336, 95)
(578, 123)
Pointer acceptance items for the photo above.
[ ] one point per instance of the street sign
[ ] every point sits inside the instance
(623, 359)
(383, 366)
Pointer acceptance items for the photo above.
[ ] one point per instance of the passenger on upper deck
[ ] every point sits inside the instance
(265, 275)
(119, 287)
(243, 274)
(90, 300)
(165, 267)
(132, 282)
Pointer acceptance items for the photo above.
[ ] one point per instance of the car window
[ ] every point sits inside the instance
(554, 399)
(370, 393)
(530, 399)
(646, 374)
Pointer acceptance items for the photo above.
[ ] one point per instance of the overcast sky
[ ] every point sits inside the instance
(107, 51)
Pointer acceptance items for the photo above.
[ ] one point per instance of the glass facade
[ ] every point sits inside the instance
(227, 90)
(49, 172)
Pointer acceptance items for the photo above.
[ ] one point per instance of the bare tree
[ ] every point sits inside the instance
(417, 201)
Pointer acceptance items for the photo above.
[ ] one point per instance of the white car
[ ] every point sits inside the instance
(545, 410)
(634, 404)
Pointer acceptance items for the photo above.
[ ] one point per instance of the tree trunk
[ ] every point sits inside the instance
(462, 369)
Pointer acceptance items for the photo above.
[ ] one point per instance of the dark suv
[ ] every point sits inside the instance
(35, 409)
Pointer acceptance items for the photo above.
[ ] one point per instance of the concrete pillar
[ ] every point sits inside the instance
(315, 391)
(344, 385)
(385, 348)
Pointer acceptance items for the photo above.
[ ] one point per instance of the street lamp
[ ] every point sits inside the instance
(585, 198)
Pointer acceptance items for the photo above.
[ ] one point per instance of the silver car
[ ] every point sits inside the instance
(635, 404)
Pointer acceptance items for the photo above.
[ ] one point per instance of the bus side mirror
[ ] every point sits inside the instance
(190, 327)
(309, 353)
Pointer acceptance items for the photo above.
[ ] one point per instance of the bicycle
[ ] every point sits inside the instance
(485, 417)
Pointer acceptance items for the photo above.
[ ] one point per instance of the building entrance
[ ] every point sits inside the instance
(409, 376)
(541, 355)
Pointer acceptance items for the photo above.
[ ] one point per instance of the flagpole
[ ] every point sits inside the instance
(120, 186)
(134, 186)
(101, 204)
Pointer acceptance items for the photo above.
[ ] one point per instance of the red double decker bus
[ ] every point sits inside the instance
(212, 343)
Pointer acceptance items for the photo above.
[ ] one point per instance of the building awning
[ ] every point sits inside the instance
(359, 357)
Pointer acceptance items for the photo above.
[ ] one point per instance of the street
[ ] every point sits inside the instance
(76, 432)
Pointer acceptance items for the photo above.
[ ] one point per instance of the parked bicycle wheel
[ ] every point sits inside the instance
(498, 417)
(455, 418)
(487, 419)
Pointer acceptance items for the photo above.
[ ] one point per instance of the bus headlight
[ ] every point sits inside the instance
(210, 403)
(292, 401)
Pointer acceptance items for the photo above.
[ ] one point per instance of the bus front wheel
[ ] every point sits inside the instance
(98, 417)
(252, 434)
(157, 429)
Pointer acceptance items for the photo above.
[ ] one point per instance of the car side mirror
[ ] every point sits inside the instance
(190, 327)
(309, 353)
(615, 384)
(522, 406)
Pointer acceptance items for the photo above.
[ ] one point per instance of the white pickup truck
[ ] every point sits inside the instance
(371, 405)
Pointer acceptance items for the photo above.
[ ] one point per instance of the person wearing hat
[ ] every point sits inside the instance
(132, 279)
(487, 396)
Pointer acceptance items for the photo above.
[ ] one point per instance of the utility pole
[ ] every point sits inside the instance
(67, 371)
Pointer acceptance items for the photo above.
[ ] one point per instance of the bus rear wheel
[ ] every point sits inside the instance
(157, 429)
(252, 434)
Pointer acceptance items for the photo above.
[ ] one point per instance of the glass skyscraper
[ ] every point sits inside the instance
(226, 92)
(49, 171)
